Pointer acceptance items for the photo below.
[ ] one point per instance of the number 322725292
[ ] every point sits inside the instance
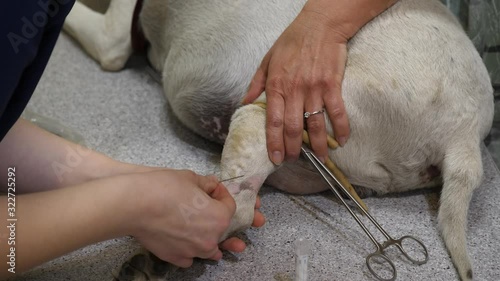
(11, 190)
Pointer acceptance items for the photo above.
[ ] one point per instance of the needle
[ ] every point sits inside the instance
(233, 178)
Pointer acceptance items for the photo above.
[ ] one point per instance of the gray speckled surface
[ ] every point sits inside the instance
(125, 115)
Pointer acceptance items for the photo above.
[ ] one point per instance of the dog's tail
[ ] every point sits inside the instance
(462, 173)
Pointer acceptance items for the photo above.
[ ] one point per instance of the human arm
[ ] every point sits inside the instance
(303, 71)
(149, 206)
(52, 223)
(97, 199)
(45, 161)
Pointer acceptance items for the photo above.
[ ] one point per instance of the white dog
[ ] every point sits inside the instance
(417, 94)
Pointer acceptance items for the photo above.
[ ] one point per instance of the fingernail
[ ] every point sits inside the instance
(276, 158)
(342, 141)
(322, 159)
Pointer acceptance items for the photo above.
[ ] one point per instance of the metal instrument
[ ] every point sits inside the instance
(375, 259)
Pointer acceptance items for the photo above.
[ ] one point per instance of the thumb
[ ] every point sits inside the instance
(258, 83)
(207, 183)
(221, 194)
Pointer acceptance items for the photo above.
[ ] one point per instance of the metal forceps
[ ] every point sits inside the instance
(379, 255)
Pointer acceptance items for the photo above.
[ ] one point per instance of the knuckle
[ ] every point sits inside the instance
(337, 112)
(275, 121)
(314, 126)
(293, 130)
(296, 82)
(318, 82)
(330, 84)
(208, 245)
(274, 84)
(309, 80)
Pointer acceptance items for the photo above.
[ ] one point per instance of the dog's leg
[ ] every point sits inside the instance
(100, 6)
(462, 173)
(297, 178)
(106, 37)
(245, 154)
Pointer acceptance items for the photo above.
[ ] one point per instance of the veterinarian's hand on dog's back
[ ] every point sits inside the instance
(303, 72)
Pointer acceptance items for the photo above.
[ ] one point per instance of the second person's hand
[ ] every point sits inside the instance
(303, 72)
(184, 215)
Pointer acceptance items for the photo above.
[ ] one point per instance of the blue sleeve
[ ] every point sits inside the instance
(29, 30)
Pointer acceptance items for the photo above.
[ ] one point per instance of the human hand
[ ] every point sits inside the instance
(302, 72)
(184, 216)
(235, 244)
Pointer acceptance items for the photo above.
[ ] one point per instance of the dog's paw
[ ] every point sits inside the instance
(144, 266)
(364, 192)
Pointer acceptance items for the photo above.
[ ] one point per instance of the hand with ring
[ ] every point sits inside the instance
(302, 75)
(307, 114)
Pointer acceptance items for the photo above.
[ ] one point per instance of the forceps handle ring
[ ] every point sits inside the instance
(380, 254)
(318, 165)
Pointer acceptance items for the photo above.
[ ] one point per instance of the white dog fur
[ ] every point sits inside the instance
(417, 94)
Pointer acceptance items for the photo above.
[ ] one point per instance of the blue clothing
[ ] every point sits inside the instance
(29, 30)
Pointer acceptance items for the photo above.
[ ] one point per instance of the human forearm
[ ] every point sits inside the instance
(150, 206)
(45, 161)
(50, 224)
(346, 17)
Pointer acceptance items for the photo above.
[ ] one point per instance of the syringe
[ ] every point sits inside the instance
(302, 252)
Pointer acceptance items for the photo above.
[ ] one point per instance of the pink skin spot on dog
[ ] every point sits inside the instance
(232, 187)
(430, 174)
(214, 127)
(253, 183)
